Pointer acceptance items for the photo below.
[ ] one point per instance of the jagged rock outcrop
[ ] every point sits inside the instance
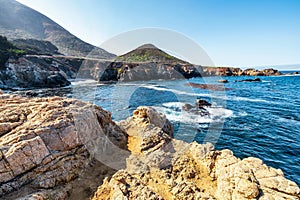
(45, 143)
(231, 71)
(49, 149)
(264, 72)
(164, 168)
(143, 71)
(124, 72)
(31, 72)
(222, 71)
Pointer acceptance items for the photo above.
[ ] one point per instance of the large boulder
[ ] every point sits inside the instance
(47, 147)
(171, 169)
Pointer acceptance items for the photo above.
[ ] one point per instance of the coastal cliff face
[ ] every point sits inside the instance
(231, 71)
(45, 154)
(31, 72)
(53, 71)
(124, 72)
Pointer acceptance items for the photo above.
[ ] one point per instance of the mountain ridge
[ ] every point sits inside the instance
(18, 21)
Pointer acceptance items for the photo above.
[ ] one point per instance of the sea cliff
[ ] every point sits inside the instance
(52, 148)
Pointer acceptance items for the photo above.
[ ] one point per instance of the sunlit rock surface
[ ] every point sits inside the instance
(52, 148)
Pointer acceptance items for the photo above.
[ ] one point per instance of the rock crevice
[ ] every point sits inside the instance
(58, 148)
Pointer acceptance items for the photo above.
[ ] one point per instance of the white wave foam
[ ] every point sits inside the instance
(230, 98)
(287, 75)
(247, 99)
(169, 90)
(174, 113)
(82, 81)
(174, 104)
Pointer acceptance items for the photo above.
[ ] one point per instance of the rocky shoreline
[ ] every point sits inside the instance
(59, 148)
(36, 71)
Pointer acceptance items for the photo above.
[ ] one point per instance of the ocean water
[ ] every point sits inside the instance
(253, 119)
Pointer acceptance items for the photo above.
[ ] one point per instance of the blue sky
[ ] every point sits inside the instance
(232, 32)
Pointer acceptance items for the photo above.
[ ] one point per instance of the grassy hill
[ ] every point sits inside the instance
(149, 53)
(21, 22)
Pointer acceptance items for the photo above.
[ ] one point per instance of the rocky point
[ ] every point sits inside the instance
(52, 148)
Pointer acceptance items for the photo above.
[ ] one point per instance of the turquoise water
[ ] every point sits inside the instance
(258, 119)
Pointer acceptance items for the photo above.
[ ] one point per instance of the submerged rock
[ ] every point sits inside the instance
(249, 80)
(223, 81)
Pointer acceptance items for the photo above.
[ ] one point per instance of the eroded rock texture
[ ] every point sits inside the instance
(164, 168)
(46, 142)
(54, 148)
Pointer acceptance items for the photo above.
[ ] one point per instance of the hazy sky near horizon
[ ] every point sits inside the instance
(232, 32)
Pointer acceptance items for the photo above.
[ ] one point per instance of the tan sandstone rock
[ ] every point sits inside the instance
(56, 148)
(172, 169)
(45, 143)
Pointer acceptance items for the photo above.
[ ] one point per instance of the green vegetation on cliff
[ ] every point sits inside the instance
(36, 47)
(8, 50)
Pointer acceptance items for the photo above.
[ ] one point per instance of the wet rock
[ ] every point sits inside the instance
(249, 80)
(187, 107)
(223, 81)
(202, 103)
(213, 87)
(199, 108)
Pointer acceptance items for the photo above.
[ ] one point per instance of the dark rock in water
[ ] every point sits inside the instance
(198, 108)
(31, 94)
(57, 80)
(201, 103)
(213, 87)
(223, 81)
(249, 80)
(187, 107)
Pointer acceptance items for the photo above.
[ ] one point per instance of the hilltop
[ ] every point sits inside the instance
(21, 22)
(150, 53)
